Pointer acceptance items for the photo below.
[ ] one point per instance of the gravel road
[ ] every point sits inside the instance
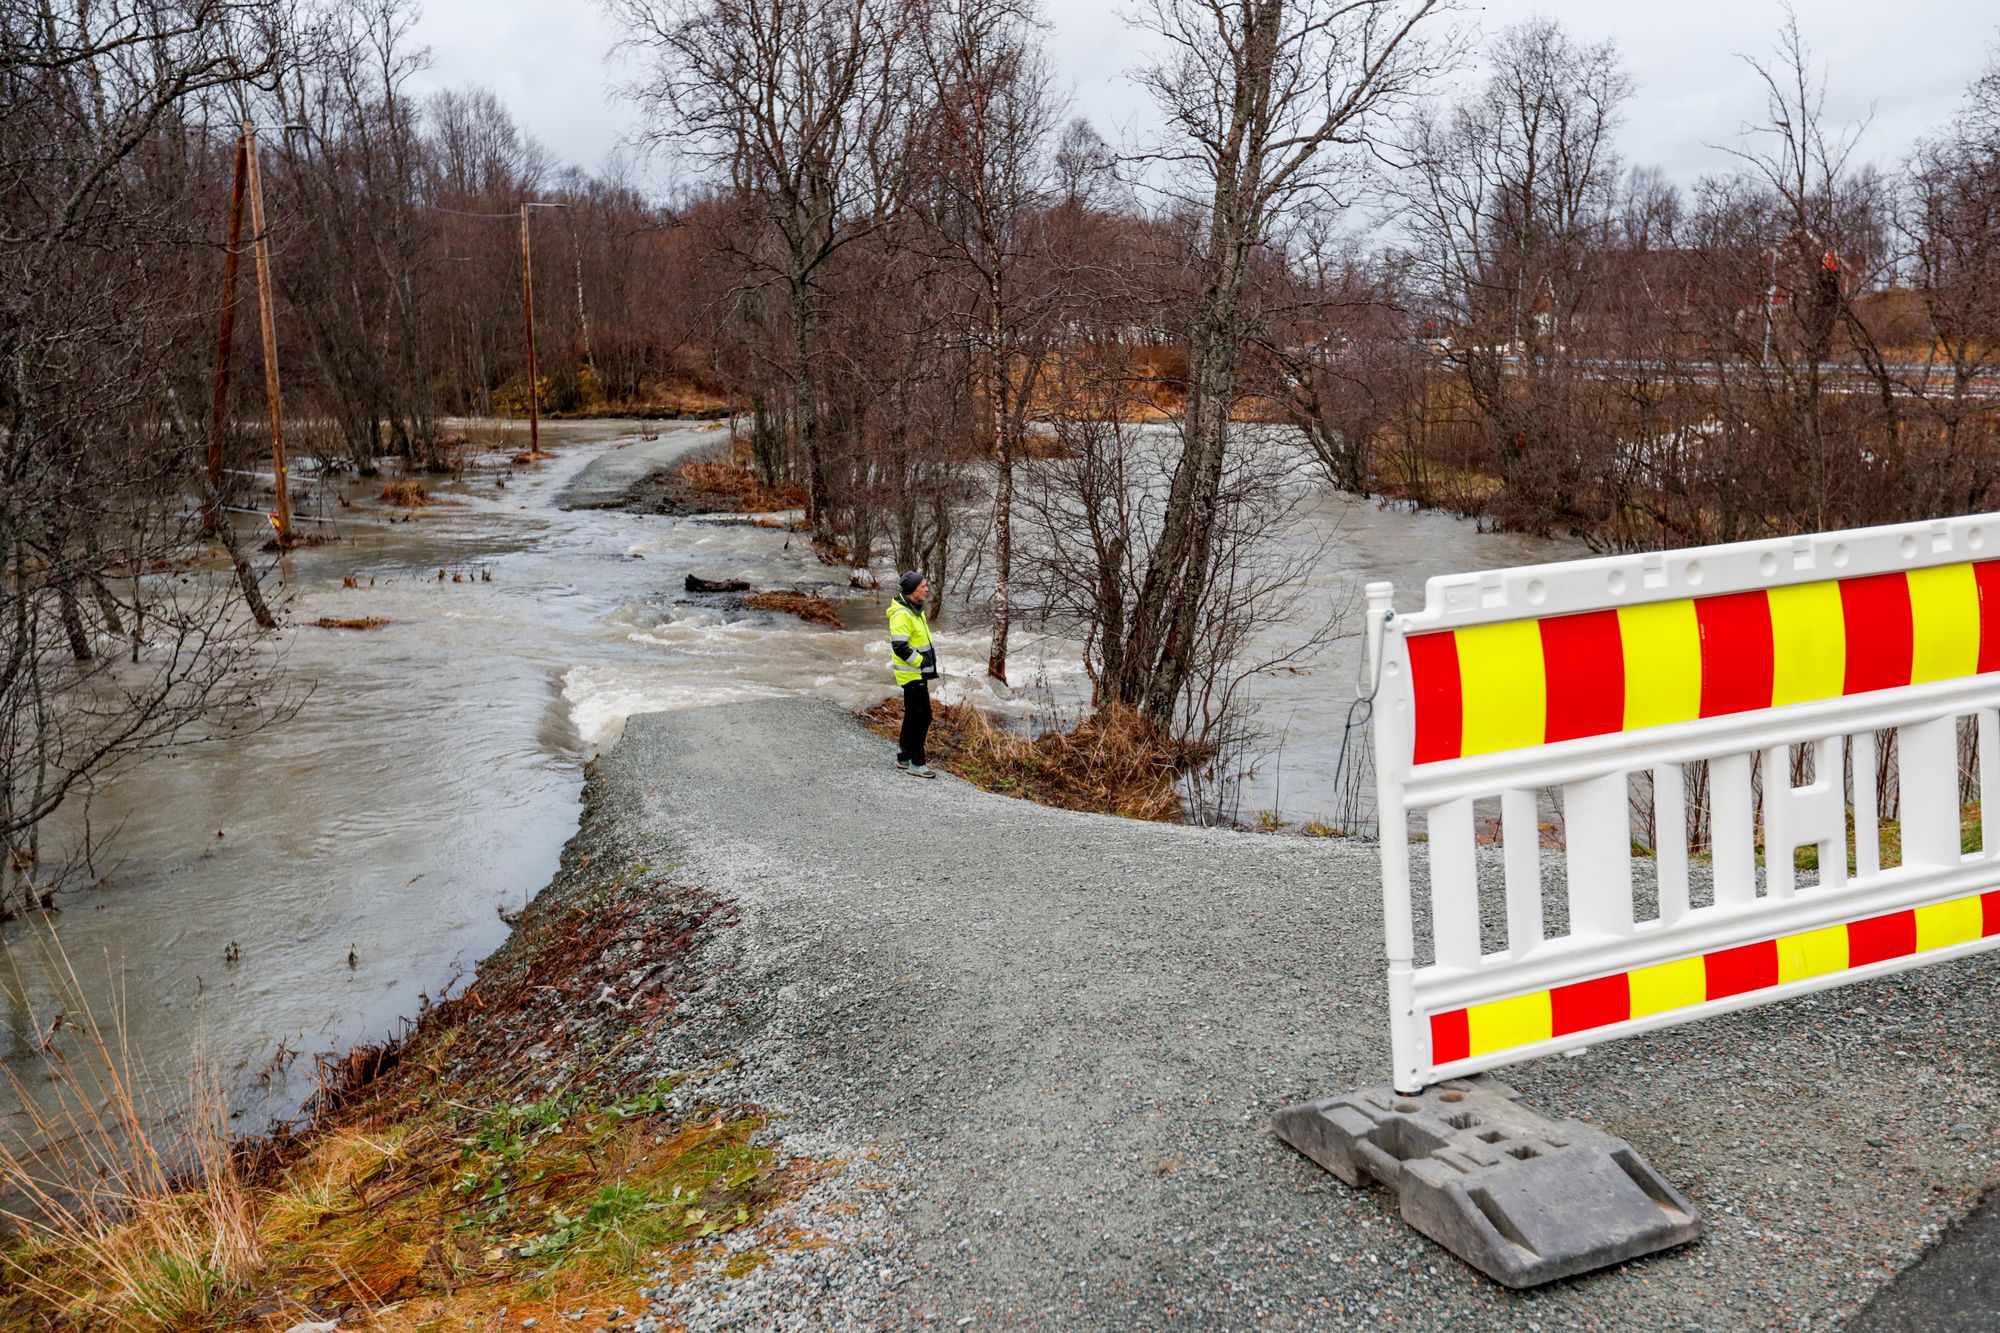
(610, 480)
(1045, 1047)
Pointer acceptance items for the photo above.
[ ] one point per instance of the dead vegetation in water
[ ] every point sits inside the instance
(406, 494)
(813, 610)
(413, 495)
(833, 551)
(503, 1153)
(1115, 763)
(299, 541)
(351, 622)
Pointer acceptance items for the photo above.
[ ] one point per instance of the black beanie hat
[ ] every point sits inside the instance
(911, 582)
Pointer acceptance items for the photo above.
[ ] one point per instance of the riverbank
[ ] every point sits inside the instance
(522, 1151)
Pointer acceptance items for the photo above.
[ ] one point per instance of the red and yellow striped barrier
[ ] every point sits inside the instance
(1521, 1020)
(1522, 683)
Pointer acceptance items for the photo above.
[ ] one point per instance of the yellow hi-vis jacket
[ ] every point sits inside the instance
(912, 657)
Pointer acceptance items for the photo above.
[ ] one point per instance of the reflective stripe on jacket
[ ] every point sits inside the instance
(910, 652)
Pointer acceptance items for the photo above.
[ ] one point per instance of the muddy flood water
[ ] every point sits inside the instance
(293, 891)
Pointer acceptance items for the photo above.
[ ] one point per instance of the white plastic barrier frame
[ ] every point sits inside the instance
(1471, 1007)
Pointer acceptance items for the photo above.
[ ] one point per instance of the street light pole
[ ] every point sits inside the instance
(1770, 307)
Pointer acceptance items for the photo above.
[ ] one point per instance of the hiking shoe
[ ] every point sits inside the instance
(922, 771)
(902, 763)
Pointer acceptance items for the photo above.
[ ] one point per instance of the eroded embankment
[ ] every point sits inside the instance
(523, 1149)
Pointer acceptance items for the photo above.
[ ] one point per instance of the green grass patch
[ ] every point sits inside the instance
(518, 1204)
(1890, 836)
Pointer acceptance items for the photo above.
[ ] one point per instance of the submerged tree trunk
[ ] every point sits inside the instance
(72, 621)
(764, 444)
(1003, 504)
(1160, 639)
(107, 605)
(246, 577)
(819, 507)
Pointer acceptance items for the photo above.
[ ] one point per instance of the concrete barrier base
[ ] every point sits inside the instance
(1522, 1198)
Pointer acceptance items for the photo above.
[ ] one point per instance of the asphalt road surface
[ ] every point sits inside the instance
(1953, 1289)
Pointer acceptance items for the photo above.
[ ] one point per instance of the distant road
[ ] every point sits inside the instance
(1910, 379)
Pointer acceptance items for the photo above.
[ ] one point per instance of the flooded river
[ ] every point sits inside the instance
(358, 857)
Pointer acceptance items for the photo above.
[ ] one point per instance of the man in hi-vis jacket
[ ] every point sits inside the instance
(915, 664)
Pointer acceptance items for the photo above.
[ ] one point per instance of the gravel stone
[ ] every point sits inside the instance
(1044, 1047)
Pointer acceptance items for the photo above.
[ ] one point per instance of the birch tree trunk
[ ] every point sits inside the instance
(1259, 97)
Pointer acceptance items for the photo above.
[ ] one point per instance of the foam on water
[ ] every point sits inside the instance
(705, 654)
(601, 698)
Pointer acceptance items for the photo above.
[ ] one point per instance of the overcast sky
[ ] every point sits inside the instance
(1907, 65)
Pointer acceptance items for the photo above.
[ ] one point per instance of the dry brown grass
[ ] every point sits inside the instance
(406, 495)
(812, 610)
(732, 478)
(686, 396)
(300, 541)
(122, 1227)
(444, 1177)
(1151, 385)
(1114, 763)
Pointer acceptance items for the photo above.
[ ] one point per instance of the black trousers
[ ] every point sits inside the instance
(916, 721)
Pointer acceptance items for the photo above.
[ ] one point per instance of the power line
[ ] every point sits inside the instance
(459, 212)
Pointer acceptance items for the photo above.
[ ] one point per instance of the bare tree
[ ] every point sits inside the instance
(1341, 338)
(1093, 508)
(1085, 168)
(988, 132)
(1260, 101)
(1821, 223)
(351, 255)
(1508, 197)
(109, 649)
(800, 104)
(476, 169)
(1949, 223)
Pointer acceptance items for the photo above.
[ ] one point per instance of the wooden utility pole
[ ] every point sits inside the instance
(528, 310)
(273, 398)
(225, 341)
